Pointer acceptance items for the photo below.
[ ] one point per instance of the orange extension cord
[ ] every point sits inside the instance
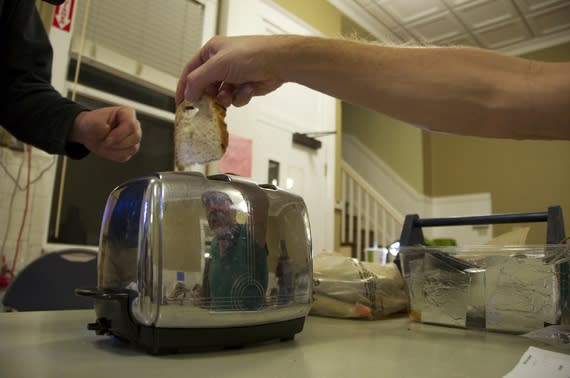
(26, 206)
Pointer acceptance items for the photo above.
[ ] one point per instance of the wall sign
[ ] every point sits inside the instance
(63, 15)
(237, 159)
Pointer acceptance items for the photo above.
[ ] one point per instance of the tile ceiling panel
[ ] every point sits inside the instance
(550, 20)
(442, 26)
(481, 14)
(380, 14)
(501, 35)
(534, 5)
(411, 10)
(461, 40)
(506, 25)
(455, 3)
(404, 37)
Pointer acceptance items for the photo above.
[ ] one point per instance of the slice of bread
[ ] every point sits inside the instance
(200, 133)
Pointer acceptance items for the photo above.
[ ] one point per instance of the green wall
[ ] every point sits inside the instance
(398, 144)
(560, 53)
(320, 14)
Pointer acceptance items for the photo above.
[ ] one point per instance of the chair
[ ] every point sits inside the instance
(49, 282)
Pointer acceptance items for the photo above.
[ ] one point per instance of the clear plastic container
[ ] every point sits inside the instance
(512, 289)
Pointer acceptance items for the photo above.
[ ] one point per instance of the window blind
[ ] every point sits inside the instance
(162, 35)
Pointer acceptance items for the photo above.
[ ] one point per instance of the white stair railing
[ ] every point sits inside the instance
(366, 210)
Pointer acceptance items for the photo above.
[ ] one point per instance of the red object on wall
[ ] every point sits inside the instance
(63, 15)
(238, 157)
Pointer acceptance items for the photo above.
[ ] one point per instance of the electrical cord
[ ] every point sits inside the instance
(27, 188)
(11, 202)
(36, 179)
(26, 207)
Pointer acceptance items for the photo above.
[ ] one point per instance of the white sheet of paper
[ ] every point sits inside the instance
(537, 362)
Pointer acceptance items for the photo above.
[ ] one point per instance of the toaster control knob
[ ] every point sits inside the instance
(101, 326)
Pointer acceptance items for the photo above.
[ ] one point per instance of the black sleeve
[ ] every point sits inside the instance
(30, 108)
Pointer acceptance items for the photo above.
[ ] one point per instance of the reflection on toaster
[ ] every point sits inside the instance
(191, 246)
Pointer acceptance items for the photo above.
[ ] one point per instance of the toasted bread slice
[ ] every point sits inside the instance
(200, 132)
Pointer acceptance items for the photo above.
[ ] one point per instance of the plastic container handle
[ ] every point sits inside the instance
(412, 230)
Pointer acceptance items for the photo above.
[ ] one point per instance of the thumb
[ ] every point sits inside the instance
(122, 114)
(197, 80)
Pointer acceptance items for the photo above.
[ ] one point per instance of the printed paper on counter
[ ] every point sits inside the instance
(537, 362)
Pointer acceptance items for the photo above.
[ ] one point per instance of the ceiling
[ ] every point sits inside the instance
(510, 26)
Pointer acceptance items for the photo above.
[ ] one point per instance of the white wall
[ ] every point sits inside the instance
(271, 120)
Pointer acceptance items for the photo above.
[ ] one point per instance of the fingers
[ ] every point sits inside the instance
(212, 89)
(197, 74)
(238, 96)
(230, 68)
(125, 129)
(118, 155)
(124, 135)
(114, 133)
(202, 78)
(205, 71)
(243, 95)
(225, 94)
(195, 62)
(121, 142)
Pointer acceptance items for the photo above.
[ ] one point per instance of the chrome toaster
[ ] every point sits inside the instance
(188, 261)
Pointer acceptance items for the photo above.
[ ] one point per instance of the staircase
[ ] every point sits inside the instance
(368, 220)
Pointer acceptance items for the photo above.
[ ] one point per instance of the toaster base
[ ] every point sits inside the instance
(175, 340)
(114, 318)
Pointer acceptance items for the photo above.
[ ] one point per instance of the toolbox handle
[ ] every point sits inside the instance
(412, 229)
(482, 219)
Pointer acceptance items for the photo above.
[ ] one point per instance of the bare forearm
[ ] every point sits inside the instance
(457, 90)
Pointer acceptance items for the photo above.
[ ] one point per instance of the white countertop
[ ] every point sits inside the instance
(58, 344)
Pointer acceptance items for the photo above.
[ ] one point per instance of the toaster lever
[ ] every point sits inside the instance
(101, 326)
(220, 177)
